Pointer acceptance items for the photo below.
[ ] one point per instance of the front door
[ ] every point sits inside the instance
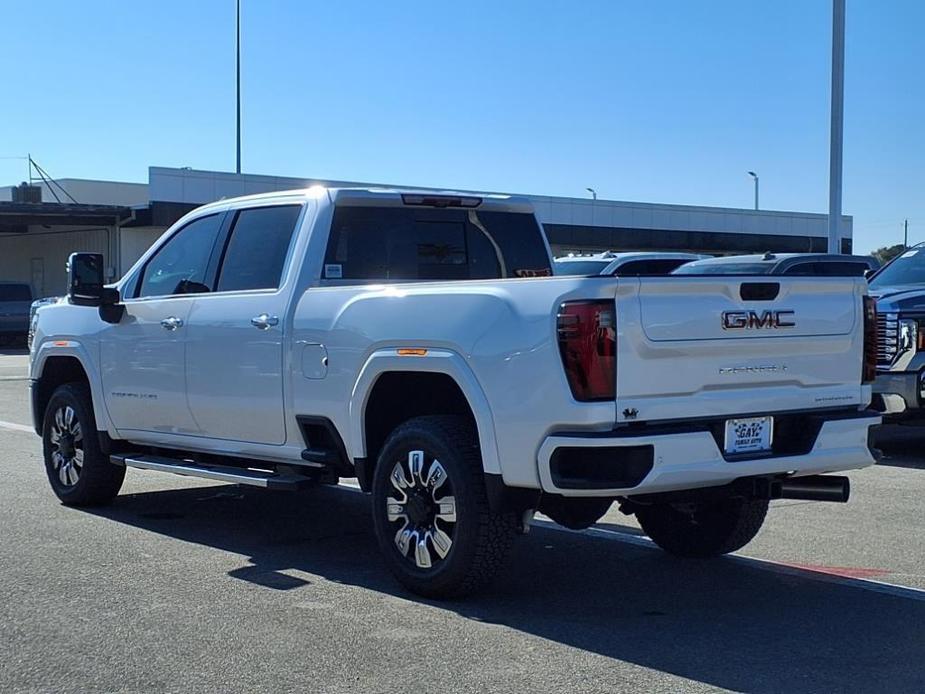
(142, 361)
(143, 357)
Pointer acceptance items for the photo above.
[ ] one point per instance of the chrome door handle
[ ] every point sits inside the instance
(264, 321)
(172, 323)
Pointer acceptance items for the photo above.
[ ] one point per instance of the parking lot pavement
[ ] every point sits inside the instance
(185, 586)
(14, 364)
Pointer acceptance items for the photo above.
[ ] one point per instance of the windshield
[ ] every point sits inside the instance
(15, 292)
(724, 269)
(909, 268)
(580, 267)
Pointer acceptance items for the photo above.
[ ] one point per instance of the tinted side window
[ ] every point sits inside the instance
(257, 248)
(842, 269)
(180, 265)
(648, 268)
(803, 269)
(395, 243)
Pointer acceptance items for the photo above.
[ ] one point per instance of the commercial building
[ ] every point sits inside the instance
(121, 220)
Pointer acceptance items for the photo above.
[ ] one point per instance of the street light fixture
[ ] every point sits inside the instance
(755, 176)
(593, 193)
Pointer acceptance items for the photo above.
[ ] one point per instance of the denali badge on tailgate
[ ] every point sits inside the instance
(743, 320)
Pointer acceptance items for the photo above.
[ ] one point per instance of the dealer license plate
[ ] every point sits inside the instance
(750, 435)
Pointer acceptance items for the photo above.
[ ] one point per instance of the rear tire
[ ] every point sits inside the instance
(79, 472)
(703, 529)
(430, 509)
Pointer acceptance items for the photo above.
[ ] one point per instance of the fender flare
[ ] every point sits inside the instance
(440, 361)
(51, 349)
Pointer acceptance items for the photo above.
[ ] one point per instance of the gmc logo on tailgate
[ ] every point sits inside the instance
(747, 320)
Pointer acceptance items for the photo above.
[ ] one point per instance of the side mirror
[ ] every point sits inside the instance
(85, 279)
(85, 286)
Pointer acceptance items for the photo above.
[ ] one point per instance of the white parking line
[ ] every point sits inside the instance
(12, 426)
(763, 564)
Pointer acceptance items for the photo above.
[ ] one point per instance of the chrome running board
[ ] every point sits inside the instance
(221, 473)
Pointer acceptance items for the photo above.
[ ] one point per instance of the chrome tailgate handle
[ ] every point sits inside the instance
(264, 321)
(172, 323)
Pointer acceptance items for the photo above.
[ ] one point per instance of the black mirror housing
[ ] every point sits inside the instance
(85, 279)
(86, 288)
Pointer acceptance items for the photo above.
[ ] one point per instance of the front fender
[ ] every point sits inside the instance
(75, 349)
(441, 361)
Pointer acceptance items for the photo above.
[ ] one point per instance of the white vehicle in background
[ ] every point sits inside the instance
(624, 263)
(415, 341)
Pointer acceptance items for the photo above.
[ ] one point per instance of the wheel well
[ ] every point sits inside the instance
(56, 372)
(399, 396)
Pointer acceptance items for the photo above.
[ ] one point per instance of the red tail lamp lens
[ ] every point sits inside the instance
(587, 343)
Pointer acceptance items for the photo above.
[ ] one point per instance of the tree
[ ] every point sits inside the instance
(887, 253)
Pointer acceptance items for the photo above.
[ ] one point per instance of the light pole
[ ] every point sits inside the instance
(836, 126)
(755, 176)
(238, 87)
(593, 193)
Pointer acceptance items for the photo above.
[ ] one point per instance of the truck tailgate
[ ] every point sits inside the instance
(717, 346)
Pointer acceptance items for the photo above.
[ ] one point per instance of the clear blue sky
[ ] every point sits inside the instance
(661, 101)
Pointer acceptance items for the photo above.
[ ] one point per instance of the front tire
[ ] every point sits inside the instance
(430, 509)
(703, 529)
(79, 472)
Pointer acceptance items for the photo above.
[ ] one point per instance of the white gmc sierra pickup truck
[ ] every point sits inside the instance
(416, 341)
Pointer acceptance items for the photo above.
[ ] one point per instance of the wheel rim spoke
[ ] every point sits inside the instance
(395, 510)
(59, 419)
(447, 509)
(436, 476)
(398, 479)
(403, 539)
(62, 474)
(415, 463)
(421, 552)
(441, 541)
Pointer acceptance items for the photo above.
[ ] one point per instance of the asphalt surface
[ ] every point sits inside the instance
(186, 586)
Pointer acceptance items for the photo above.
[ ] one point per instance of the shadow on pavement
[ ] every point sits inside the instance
(720, 622)
(902, 446)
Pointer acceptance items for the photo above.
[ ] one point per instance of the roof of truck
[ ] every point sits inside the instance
(360, 196)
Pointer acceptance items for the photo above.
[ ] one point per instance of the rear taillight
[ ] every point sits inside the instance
(869, 372)
(587, 343)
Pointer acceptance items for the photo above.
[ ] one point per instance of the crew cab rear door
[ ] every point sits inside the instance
(235, 334)
(698, 347)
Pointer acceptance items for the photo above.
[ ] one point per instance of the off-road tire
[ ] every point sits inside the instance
(99, 481)
(574, 513)
(704, 529)
(481, 537)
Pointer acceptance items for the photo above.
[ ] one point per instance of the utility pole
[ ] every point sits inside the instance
(238, 86)
(906, 234)
(836, 127)
(755, 176)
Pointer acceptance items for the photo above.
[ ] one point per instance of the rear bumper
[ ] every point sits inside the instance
(689, 457)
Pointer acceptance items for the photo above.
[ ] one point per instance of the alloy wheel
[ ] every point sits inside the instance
(423, 510)
(67, 449)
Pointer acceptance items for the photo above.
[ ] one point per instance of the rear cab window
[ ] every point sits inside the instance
(416, 243)
(257, 248)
